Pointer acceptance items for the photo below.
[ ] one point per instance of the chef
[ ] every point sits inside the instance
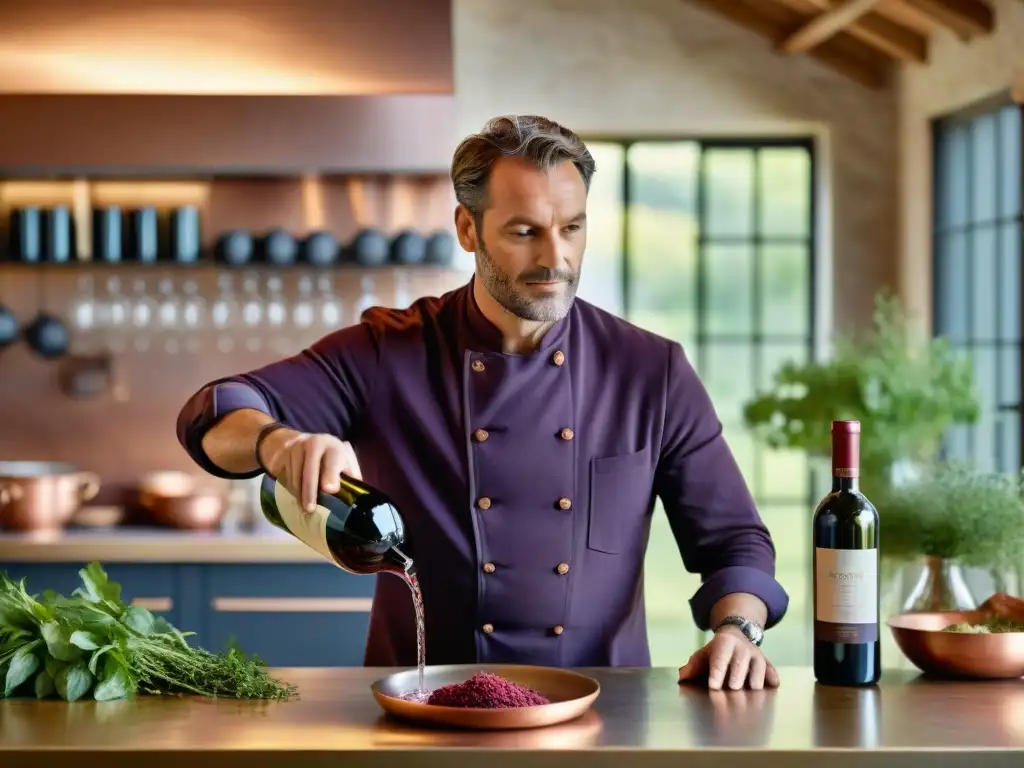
(524, 434)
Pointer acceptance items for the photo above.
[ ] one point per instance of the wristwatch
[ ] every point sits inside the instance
(751, 629)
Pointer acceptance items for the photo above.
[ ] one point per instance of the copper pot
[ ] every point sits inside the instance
(42, 496)
(177, 500)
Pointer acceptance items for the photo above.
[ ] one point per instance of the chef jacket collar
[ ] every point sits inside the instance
(482, 335)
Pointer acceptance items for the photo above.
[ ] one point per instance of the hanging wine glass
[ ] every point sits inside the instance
(82, 314)
(253, 310)
(143, 315)
(277, 314)
(169, 316)
(193, 316)
(115, 316)
(304, 313)
(366, 299)
(403, 292)
(225, 313)
(329, 307)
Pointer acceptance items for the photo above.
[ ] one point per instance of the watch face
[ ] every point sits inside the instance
(754, 632)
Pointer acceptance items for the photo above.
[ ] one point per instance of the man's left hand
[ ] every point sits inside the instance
(730, 660)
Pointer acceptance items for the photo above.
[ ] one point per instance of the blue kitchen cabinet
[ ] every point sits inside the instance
(288, 614)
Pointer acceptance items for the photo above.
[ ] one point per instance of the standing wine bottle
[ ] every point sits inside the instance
(847, 647)
(357, 527)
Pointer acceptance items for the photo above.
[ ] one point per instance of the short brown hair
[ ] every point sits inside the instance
(542, 141)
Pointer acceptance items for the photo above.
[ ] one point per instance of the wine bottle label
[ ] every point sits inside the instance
(308, 527)
(846, 595)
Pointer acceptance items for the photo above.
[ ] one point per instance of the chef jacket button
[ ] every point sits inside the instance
(487, 628)
(563, 568)
(558, 358)
(483, 502)
(477, 365)
(564, 503)
(480, 435)
(567, 434)
(488, 567)
(558, 629)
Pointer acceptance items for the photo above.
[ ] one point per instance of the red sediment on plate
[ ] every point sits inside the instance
(485, 690)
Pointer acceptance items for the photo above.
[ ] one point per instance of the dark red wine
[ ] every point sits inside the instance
(847, 647)
(357, 527)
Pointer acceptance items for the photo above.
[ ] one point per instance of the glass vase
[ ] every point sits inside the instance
(940, 586)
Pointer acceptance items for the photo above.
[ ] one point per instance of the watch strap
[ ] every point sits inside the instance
(265, 431)
(750, 629)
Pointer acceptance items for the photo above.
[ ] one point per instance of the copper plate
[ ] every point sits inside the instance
(957, 654)
(571, 694)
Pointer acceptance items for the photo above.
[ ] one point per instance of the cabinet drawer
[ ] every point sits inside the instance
(285, 580)
(292, 638)
(151, 586)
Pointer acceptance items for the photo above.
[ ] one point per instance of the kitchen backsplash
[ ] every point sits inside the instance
(201, 323)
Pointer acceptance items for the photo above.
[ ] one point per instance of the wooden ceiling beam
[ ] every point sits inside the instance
(878, 31)
(826, 25)
(965, 18)
(775, 22)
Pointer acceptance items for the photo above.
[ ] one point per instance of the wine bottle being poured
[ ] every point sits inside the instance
(360, 530)
(357, 527)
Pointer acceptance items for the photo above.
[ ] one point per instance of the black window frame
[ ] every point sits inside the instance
(940, 322)
(756, 339)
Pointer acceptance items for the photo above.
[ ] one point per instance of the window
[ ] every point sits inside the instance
(977, 274)
(711, 243)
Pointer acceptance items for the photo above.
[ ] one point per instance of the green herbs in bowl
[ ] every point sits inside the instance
(990, 625)
(961, 644)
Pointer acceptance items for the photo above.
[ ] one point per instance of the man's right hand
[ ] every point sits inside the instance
(306, 463)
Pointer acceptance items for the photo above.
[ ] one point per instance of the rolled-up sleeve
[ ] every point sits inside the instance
(712, 514)
(323, 389)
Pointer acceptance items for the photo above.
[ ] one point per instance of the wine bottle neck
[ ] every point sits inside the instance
(845, 484)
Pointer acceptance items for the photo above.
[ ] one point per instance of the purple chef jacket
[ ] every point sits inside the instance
(527, 482)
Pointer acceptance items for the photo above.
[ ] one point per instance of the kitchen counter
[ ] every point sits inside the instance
(642, 719)
(155, 545)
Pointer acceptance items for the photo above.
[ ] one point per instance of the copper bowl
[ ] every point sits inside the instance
(570, 693)
(958, 654)
(199, 511)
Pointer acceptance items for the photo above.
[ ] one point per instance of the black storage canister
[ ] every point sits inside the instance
(186, 237)
(107, 234)
(58, 235)
(234, 248)
(370, 248)
(408, 247)
(26, 233)
(277, 247)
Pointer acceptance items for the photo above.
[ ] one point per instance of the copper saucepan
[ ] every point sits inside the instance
(41, 495)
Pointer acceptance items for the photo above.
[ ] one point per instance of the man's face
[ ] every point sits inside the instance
(529, 244)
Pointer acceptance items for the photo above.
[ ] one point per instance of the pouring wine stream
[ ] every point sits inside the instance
(408, 575)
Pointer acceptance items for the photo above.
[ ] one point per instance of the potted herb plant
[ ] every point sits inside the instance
(952, 516)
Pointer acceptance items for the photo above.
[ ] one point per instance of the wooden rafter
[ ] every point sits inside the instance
(826, 25)
(877, 30)
(966, 18)
(777, 21)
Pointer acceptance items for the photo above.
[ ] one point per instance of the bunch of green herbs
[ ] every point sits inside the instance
(955, 512)
(905, 391)
(93, 644)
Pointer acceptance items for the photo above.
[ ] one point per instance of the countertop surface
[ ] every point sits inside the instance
(264, 544)
(641, 718)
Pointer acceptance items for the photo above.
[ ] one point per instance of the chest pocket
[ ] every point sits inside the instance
(620, 491)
